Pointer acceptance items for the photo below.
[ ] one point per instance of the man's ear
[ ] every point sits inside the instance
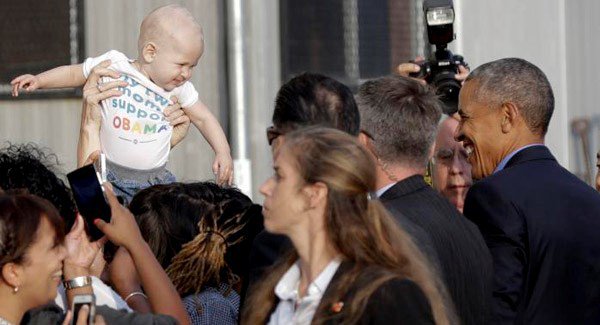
(510, 116)
(363, 139)
(149, 52)
(12, 274)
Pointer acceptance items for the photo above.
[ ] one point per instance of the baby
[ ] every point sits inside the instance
(134, 135)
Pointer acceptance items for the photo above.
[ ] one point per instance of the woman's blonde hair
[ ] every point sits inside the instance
(359, 228)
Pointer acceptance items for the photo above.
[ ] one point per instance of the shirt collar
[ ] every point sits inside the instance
(287, 287)
(507, 158)
(382, 190)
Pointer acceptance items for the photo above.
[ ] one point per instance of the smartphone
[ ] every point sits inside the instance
(89, 197)
(80, 301)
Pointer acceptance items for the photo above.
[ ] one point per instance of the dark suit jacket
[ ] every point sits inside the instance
(397, 301)
(464, 260)
(542, 225)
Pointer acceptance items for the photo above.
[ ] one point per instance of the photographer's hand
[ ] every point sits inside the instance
(406, 68)
(463, 73)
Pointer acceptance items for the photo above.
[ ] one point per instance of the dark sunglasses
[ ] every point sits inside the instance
(272, 134)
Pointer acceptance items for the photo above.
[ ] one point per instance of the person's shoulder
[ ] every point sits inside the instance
(398, 301)
(212, 299)
(47, 314)
(113, 316)
(491, 185)
(397, 287)
(212, 306)
(186, 94)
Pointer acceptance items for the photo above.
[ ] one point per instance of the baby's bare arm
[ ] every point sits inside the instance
(208, 125)
(61, 77)
(210, 128)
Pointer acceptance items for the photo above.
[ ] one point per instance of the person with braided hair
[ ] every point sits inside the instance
(201, 234)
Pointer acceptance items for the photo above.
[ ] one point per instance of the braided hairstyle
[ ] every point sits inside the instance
(201, 233)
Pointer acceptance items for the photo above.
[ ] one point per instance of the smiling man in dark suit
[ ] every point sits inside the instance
(540, 222)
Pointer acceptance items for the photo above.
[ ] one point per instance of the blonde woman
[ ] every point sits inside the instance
(350, 263)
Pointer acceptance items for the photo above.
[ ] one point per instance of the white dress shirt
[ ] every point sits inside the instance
(296, 310)
(384, 189)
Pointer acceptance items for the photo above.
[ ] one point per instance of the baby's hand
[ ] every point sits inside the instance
(27, 81)
(223, 168)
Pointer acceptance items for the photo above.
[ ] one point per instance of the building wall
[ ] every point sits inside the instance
(264, 80)
(561, 38)
(533, 30)
(583, 78)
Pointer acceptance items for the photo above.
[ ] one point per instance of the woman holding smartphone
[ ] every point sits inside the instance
(32, 252)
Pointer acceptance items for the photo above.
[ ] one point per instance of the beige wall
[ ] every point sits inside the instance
(114, 24)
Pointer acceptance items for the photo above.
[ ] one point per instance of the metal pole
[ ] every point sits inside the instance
(238, 96)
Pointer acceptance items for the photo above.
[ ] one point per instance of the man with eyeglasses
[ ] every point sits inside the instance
(451, 171)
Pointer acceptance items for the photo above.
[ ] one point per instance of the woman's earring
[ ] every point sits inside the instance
(15, 289)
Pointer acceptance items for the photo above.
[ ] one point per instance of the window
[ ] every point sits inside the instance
(350, 40)
(39, 35)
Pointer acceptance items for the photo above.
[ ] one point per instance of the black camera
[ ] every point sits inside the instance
(439, 71)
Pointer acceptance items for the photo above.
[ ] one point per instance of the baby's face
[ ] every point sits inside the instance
(175, 58)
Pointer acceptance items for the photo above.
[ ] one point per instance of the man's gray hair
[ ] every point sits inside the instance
(402, 117)
(519, 82)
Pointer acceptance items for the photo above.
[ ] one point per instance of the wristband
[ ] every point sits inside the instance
(135, 293)
(78, 282)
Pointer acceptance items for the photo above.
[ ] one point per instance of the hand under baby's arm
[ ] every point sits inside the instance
(61, 77)
(210, 128)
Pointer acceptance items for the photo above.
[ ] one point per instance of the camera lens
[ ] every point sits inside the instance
(447, 89)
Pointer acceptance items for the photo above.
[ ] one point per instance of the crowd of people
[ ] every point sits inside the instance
(349, 231)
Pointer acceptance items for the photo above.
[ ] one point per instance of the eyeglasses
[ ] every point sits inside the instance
(272, 134)
(446, 156)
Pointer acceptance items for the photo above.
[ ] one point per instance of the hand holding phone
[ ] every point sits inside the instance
(78, 302)
(89, 197)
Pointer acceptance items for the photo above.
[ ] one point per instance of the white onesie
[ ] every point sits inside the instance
(134, 132)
